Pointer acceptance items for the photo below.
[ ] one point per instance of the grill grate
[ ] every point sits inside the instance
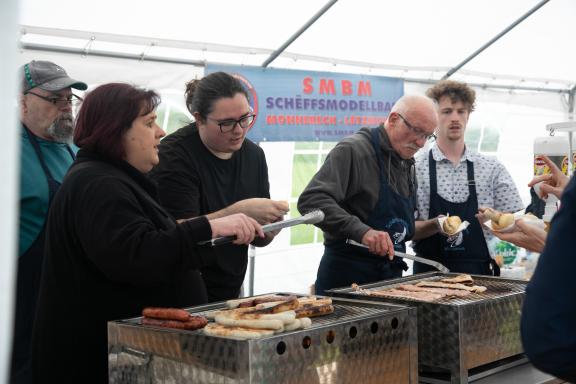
(496, 288)
(343, 312)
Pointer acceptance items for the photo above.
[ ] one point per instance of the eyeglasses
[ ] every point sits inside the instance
(229, 125)
(60, 103)
(417, 131)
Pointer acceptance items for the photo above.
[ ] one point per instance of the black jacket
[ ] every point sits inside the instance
(110, 251)
(549, 312)
(193, 182)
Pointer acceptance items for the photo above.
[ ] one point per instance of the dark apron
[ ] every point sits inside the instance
(28, 284)
(465, 252)
(343, 264)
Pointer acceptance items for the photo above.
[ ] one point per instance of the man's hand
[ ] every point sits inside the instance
(427, 228)
(264, 211)
(553, 183)
(379, 243)
(527, 236)
(243, 227)
(482, 218)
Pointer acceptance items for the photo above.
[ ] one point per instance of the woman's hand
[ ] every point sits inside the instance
(243, 227)
(553, 183)
(527, 236)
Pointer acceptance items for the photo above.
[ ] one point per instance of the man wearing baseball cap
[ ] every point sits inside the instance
(45, 102)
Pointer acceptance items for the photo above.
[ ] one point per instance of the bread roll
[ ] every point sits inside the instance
(492, 214)
(499, 220)
(505, 220)
(451, 224)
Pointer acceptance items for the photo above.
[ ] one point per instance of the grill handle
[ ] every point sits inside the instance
(422, 260)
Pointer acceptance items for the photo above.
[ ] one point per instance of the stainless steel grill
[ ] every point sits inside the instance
(458, 334)
(496, 288)
(362, 341)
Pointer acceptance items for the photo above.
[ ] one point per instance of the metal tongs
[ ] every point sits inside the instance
(313, 217)
(422, 260)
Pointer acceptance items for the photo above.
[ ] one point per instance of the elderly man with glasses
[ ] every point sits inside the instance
(45, 104)
(454, 180)
(367, 191)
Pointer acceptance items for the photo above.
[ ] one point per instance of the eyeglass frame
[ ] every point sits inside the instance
(236, 122)
(54, 100)
(416, 131)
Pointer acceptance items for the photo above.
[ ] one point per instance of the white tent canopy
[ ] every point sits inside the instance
(417, 39)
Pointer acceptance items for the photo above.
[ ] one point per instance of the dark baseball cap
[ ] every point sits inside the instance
(47, 76)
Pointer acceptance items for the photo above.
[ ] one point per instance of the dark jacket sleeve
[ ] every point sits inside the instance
(119, 233)
(329, 189)
(549, 313)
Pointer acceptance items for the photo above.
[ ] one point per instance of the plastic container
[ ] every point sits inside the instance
(513, 272)
(556, 148)
(504, 253)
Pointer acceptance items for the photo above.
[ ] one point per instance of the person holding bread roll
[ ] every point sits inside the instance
(549, 311)
(210, 168)
(451, 225)
(528, 236)
(455, 181)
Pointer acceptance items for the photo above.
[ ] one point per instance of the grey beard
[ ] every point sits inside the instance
(62, 128)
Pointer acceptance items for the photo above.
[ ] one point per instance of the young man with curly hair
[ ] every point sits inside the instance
(455, 180)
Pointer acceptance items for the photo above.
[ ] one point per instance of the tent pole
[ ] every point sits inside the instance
(571, 101)
(113, 55)
(201, 63)
(493, 86)
(494, 39)
(277, 52)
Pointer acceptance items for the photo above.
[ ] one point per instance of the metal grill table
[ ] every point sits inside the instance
(459, 334)
(362, 341)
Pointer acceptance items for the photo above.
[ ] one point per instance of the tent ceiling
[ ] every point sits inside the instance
(410, 38)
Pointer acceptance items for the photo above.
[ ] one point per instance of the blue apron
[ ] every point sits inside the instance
(28, 284)
(465, 252)
(343, 264)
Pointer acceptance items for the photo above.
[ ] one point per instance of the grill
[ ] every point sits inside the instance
(459, 334)
(362, 341)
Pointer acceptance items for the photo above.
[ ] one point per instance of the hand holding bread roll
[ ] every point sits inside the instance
(499, 219)
(451, 224)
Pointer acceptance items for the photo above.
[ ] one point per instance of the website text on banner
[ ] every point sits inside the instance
(296, 105)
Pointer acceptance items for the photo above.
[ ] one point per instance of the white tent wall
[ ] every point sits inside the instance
(9, 154)
(520, 116)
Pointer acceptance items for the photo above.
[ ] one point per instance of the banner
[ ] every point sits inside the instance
(296, 105)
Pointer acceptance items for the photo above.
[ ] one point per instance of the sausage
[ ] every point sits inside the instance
(246, 304)
(272, 298)
(310, 310)
(193, 322)
(280, 307)
(263, 299)
(166, 313)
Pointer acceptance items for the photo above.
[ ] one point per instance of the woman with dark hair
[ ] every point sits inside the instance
(111, 249)
(209, 168)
